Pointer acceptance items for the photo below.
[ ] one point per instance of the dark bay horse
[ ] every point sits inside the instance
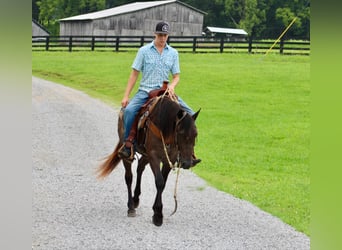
(169, 136)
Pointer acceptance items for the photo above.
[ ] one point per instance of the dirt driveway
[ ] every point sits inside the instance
(71, 209)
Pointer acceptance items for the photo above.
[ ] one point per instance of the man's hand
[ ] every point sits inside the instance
(124, 102)
(171, 91)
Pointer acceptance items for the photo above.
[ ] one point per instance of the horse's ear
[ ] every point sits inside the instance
(194, 116)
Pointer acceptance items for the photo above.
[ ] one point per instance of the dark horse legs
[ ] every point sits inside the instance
(133, 202)
(128, 179)
(160, 181)
(160, 176)
(140, 169)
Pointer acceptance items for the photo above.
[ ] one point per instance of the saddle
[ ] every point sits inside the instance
(139, 126)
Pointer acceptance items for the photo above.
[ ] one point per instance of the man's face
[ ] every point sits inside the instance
(160, 39)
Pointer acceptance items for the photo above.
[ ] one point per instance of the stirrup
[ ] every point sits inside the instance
(126, 156)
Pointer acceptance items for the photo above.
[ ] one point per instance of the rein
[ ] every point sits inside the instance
(173, 167)
(172, 97)
(154, 129)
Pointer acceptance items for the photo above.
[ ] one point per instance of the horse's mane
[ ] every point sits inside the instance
(167, 112)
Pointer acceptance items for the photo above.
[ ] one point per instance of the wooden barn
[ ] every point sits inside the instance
(136, 19)
(39, 30)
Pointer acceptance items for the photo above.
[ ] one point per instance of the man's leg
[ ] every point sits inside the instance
(185, 106)
(130, 113)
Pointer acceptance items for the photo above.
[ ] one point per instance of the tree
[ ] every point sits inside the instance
(285, 17)
(71, 7)
(35, 10)
(92, 6)
(215, 11)
(251, 17)
(244, 14)
(279, 14)
(50, 11)
(49, 14)
(260, 18)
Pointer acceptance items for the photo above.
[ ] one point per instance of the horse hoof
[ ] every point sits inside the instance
(136, 204)
(131, 213)
(158, 221)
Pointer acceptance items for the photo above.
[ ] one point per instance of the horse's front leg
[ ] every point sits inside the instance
(165, 171)
(140, 169)
(128, 178)
(160, 184)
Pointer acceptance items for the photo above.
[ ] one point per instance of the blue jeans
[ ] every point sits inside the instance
(134, 106)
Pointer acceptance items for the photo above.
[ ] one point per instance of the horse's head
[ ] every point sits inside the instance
(186, 133)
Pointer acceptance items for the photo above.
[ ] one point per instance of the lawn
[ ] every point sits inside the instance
(254, 126)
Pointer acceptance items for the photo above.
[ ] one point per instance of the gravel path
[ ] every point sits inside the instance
(71, 133)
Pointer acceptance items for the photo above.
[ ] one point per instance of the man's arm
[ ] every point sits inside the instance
(173, 84)
(130, 84)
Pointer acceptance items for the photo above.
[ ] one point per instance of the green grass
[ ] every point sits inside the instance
(254, 126)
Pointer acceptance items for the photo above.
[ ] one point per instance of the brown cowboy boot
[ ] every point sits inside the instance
(126, 152)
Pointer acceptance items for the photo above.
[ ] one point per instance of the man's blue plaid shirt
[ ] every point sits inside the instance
(155, 67)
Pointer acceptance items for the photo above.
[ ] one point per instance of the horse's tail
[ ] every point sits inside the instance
(109, 164)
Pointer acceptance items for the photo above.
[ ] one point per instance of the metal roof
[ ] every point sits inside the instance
(40, 26)
(227, 30)
(123, 9)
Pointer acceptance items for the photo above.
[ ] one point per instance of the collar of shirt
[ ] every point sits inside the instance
(154, 46)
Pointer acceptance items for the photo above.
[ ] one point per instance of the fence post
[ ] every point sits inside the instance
(221, 44)
(142, 41)
(194, 44)
(281, 48)
(92, 43)
(117, 43)
(70, 43)
(250, 45)
(47, 41)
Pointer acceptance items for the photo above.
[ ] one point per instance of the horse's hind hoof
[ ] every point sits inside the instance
(131, 213)
(158, 221)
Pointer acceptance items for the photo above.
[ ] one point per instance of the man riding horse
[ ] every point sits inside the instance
(155, 60)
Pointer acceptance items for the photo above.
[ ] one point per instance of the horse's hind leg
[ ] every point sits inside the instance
(128, 178)
(140, 169)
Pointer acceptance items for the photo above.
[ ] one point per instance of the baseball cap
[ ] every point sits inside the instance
(162, 28)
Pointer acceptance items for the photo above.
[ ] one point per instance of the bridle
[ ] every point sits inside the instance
(170, 140)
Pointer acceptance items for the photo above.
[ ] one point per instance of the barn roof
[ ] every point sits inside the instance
(124, 9)
(226, 30)
(40, 26)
